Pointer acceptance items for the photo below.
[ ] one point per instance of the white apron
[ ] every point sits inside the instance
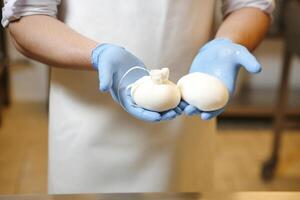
(94, 145)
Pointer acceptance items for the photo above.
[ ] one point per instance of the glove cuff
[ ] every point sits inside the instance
(223, 39)
(97, 51)
(216, 40)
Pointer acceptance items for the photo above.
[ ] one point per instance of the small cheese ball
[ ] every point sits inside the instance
(205, 92)
(156, 92)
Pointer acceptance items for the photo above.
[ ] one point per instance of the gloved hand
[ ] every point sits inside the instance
(112, 62)
(221, 58)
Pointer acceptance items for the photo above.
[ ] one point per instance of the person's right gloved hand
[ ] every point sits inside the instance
(112, 62)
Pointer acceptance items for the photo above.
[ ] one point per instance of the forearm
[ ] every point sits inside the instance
(48, 40)
(246, 26)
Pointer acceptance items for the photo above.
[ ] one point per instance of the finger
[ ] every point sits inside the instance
(139, 112)
(106, 76)
(178, 110)
(191, 110)
(210, 115)
(182, 104)
(145, 115)
(249, 61)
(168, 115)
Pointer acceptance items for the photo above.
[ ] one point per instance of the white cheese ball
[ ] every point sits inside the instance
(205, 92)
(156, 92)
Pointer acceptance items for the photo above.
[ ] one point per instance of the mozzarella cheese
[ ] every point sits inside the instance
(156, 92)
(205, 92)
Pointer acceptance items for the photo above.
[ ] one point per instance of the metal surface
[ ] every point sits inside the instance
(276, 26)
(291, 25)
(291, 33)
(270, 165)
(133, 196)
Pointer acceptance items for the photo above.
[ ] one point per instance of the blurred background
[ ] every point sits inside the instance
(258, 139)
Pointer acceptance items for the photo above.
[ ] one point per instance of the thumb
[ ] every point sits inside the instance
(249, 61)
(105, 73)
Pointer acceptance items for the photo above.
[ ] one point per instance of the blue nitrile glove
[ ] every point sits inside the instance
(221, 58)
(112, 62)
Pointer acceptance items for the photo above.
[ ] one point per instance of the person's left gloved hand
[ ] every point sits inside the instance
(117, 69)
(221, 58)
